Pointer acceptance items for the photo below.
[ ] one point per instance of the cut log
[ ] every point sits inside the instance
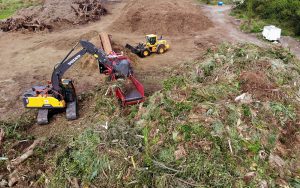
(106, 43)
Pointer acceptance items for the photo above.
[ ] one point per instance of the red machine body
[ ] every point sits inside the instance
(133, 95)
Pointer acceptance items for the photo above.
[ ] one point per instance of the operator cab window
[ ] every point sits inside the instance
(151, 40)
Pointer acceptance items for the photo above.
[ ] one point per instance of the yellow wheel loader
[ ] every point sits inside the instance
(153, 45)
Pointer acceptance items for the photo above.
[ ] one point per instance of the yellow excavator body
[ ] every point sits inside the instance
(41, 101)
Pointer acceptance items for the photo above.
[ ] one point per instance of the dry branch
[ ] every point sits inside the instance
(27, 153)
(13, 178)
(2, 133)
(88, 10)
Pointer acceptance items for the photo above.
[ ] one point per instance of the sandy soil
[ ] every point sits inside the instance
(292, 44)
(28, 59)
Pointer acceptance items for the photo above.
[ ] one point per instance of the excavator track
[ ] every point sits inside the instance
(71, 111)
(42, 118)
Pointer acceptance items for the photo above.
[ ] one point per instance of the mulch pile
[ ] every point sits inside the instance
(167, 19)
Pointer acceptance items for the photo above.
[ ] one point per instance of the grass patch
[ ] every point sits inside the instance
(80, 160)
(9, 7)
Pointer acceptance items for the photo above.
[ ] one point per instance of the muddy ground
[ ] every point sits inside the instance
(190, 28)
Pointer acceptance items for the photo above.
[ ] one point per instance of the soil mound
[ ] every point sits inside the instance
(258, 84)
(54, 14)
(169, 18)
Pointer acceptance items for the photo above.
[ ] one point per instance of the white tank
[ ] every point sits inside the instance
(272, 33)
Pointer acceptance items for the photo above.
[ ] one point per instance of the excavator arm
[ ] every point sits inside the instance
(61, 68)
(120, 68)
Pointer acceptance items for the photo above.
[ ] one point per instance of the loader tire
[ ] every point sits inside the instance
(145, 53)
(161, 49)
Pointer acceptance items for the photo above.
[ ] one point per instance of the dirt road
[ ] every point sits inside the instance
(27, 59)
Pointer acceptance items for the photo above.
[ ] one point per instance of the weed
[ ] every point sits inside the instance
(272, 140)
(281, 53)
(13, 127)
(233, 115)
(162, 181)
(105, 105)
(211, 93)
(203, 168)
(218, 127)
(133, 112)
(147, 157)
(186, 130)
(295, 183)
(246, 110)
(282, 112)
(177, 109)
(254, 147)
(80, 160)
(208, 68)
(170, 83)
(167, 154)
(252, 26)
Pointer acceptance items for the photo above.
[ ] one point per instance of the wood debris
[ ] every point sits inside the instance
(26, 23)
(88, 10)
(2, 133)
(27, 153)
(13, 178)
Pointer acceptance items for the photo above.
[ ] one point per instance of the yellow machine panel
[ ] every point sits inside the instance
(44, 102)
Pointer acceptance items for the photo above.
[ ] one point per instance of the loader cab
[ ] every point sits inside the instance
(151, 39)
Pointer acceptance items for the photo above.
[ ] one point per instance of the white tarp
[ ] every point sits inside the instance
(272, 33)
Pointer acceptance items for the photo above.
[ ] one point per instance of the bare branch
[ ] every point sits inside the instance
(27, 153)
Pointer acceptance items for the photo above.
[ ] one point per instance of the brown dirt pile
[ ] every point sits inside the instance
(258, 84)
(166, 18)
(55, 14)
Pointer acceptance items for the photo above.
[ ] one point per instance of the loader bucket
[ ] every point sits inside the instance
(133, 49)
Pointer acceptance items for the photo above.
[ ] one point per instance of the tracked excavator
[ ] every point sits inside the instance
(60, 93)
